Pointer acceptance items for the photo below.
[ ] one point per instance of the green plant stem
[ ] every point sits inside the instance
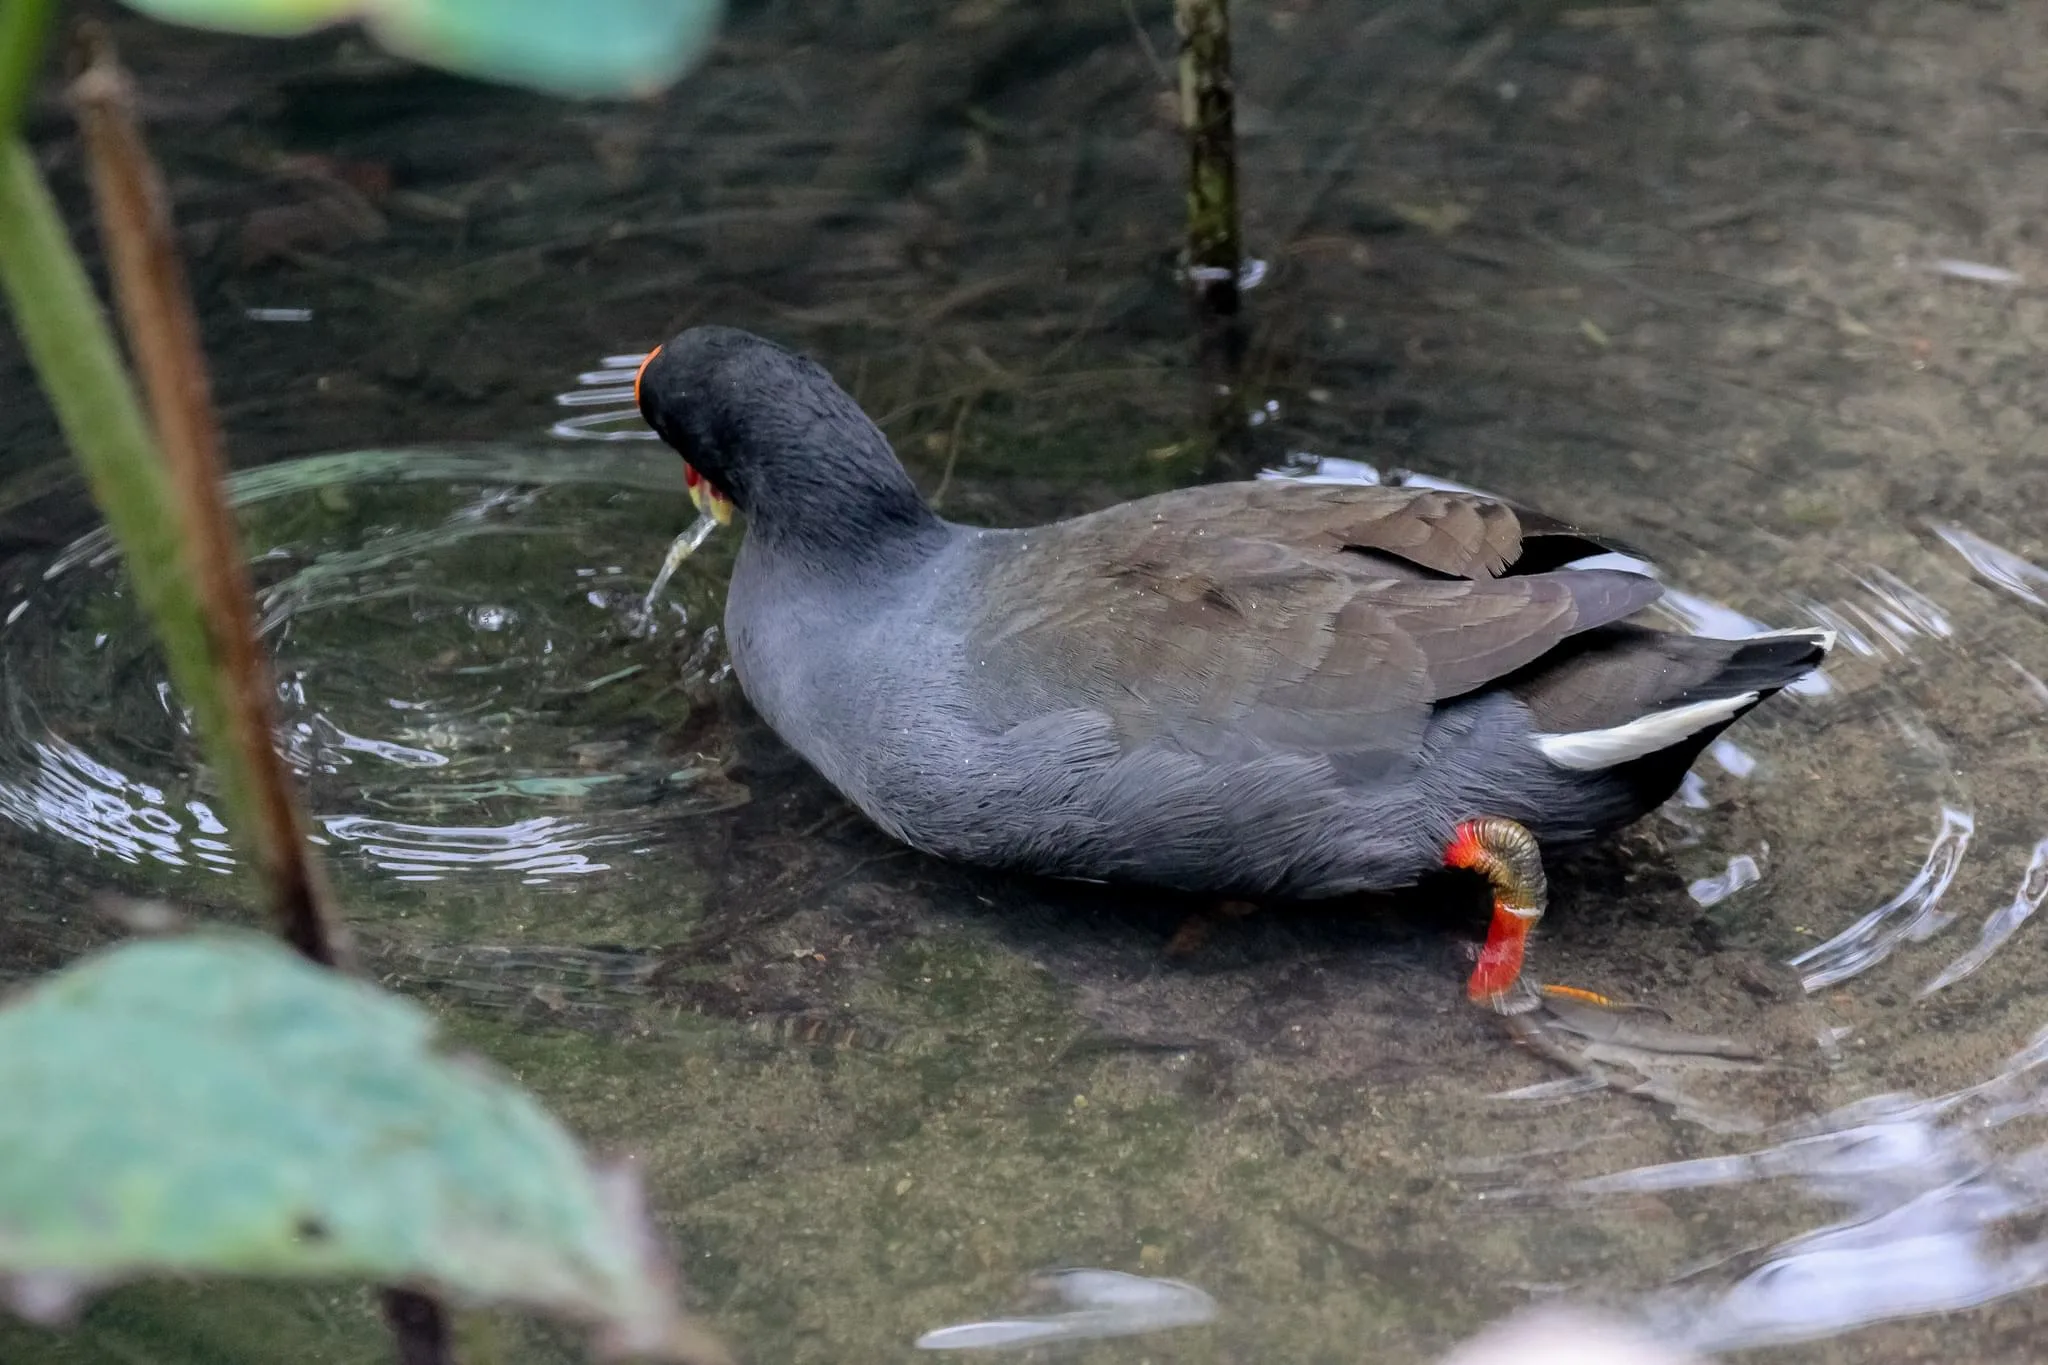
(73, 352)
(72, 349)
(24, 31)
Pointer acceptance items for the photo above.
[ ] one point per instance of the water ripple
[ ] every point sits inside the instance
(466, 679)
(1914, 913)
(1742, 871)
(1939, 1218)
(2020, 577)
(63, 791)
(539, 849)
(2002, 924)
(610, 388)
(1096, 1304)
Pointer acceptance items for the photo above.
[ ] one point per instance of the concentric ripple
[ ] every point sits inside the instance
(467, 679)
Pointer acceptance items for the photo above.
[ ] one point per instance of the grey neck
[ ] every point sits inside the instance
(865, 520)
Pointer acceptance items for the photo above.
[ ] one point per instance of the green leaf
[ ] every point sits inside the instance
(567, 47)
(218, 1105)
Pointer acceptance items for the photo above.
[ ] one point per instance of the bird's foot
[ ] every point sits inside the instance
(1620, 1030)
(1630, 1050)
(1625, 1047)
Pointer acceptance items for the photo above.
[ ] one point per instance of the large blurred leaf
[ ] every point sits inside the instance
(568, 47)
(216, 1104)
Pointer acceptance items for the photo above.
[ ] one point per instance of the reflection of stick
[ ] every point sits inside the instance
(156, 312)
(1214, 246)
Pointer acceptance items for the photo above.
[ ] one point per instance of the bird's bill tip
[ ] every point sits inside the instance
(704, 495)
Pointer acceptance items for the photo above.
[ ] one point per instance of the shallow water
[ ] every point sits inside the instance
(1693, 275)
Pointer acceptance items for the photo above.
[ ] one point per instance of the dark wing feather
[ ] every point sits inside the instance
(1241, 617)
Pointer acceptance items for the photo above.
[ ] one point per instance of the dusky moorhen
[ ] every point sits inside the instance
(1257, 690)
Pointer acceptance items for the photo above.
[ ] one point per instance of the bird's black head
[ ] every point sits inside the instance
(767, 431)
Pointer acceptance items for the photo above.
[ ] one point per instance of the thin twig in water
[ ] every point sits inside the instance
(327, 265)
(1081, 329)
(156, 312)
(977, 291)
(1039, 386)
(953, 441)
(1145, 43)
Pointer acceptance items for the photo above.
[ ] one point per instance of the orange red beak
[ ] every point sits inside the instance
(641, 373)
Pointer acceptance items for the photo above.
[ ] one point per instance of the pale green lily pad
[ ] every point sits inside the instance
(216, 1105)
(567, 47)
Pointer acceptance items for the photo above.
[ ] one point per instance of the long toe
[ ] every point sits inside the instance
(1617, 1028)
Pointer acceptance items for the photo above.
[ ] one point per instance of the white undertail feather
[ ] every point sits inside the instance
(1819, 635)
(1588, 750)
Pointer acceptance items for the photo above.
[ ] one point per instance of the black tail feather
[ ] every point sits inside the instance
(1763, 666)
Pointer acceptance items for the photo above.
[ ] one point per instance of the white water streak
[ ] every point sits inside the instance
(2002, 924)
(1912, 914)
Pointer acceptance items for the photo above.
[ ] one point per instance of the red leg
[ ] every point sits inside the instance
(1506, 855)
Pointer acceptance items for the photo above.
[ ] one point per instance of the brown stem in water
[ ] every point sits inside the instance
(1215, 248)
(419, 1328)
(163, 336)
